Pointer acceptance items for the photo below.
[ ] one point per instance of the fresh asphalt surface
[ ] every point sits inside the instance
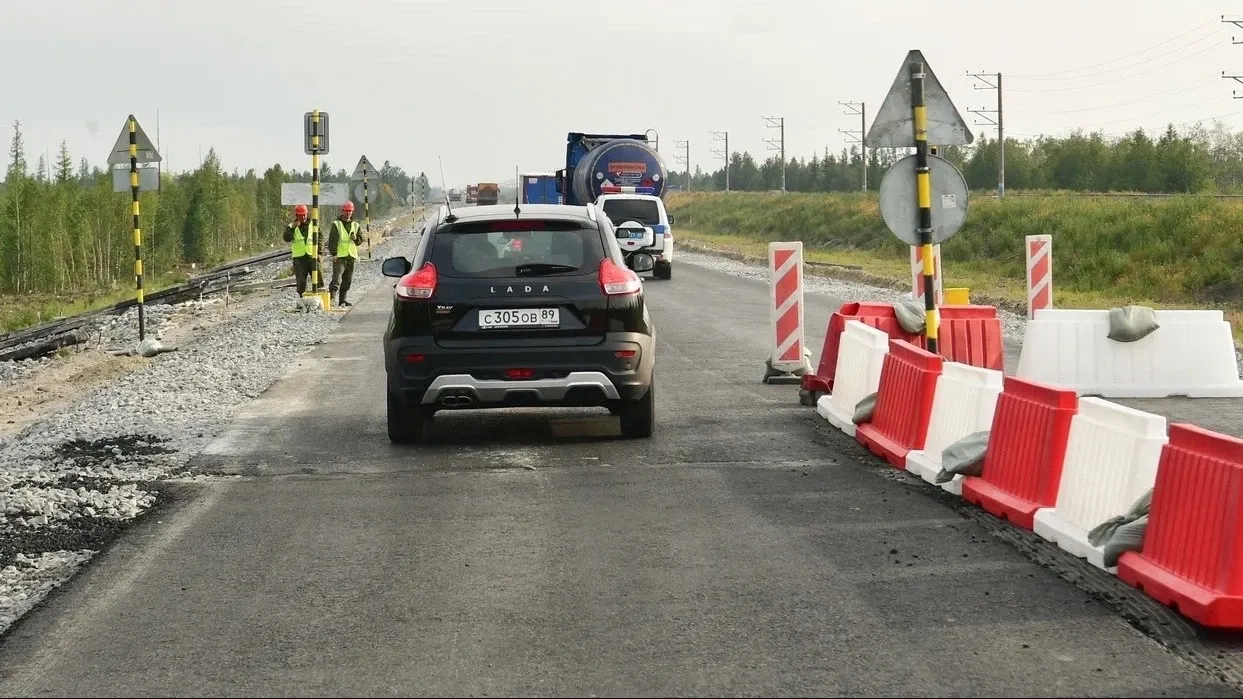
(746, 549)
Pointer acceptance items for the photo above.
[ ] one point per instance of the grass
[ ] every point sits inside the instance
(1176, 252)
(26, 310)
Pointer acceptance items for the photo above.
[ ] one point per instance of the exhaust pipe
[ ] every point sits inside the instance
(456, 401)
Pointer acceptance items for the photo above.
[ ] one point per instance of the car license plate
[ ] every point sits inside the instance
(519, 318)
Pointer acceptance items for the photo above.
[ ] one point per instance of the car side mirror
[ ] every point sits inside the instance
(642, 262)
(395, 267)
(672, 220)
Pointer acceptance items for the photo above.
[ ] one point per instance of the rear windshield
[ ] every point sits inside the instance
(644, 211)
(535, 248)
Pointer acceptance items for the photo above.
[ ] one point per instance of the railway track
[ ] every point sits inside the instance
(48, 337)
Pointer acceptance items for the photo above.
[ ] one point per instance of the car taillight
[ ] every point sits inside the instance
(625, 354)
(520, 374)
(418, 285)
(618, 281)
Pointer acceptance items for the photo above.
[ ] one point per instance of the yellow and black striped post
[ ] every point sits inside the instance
(367, 211)
(315, 202)
(133, 185)
(923, 183)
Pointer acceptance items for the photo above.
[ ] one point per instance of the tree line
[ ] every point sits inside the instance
(1198, 159)
(63, 230)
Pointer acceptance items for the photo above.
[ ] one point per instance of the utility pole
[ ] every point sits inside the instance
(685, 159)
(999, 122)
(716, 136)
(1237, 78)
(778, 123)
(859, 109)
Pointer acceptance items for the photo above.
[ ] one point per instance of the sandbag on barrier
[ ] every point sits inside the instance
(965, 400)
(1111, 460)
(1026, 450)
(862, 356)
(1191, 550)
(1191, 353)
(964, 457)
(908, 383)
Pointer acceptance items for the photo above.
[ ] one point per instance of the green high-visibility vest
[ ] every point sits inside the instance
(300, 246)
(346, 247)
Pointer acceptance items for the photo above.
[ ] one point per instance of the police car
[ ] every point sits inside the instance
(641, 205)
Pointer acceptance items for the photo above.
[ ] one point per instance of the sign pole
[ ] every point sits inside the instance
(923, 184)
(315, 201)
(133, 185)
(367, 211)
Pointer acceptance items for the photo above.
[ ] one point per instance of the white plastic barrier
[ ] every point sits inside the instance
(964, 403)
(860, 356)
(1111, 460)
(1191, 354)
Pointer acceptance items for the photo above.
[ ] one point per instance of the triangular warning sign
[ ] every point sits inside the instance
(894, 123)
(120, 150)
(363, 163)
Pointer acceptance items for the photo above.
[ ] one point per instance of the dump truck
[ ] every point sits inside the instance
(488, 193)
(472, 193)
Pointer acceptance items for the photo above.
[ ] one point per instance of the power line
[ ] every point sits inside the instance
(1202, 83)
(780, 145)
(684, 159)
(1124, 78)
(1113, 60)
(716, 136)
(998, 121)
(857, 109)
(1132, 65)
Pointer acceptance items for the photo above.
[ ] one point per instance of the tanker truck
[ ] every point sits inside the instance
(596, 164)
(626, 178)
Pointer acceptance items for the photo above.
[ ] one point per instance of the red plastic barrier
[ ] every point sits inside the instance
(970, 335)
(1026, 448)
(908, 380)
(1192, 557)
(878, 315)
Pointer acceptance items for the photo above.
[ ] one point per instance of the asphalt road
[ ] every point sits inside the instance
(746, 549)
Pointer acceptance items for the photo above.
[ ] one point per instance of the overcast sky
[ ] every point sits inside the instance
(490, 85)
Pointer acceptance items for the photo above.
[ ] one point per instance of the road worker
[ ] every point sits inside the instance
(343, 244)
(298, 235)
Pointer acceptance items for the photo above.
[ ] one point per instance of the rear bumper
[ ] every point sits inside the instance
(592, 375)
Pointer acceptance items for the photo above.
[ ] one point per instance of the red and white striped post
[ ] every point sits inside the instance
(785, 266)
(917, 275)
(1039, 273)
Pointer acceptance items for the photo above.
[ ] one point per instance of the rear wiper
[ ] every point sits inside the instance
(535, 269)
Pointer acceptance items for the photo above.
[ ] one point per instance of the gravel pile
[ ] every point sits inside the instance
(12, 371)
(70, 482)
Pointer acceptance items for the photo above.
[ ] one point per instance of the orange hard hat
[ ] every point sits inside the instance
(300, 210)
(348, 207)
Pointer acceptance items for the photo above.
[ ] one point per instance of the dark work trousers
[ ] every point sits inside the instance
(302, 268)
(342, 276)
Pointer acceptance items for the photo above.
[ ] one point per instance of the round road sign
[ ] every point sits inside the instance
(899, 203)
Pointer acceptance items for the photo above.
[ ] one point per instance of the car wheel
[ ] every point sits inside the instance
(663, 270)
(638, 417)
(405, 426)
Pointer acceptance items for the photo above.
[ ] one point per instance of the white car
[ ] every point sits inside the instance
(648, 210)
